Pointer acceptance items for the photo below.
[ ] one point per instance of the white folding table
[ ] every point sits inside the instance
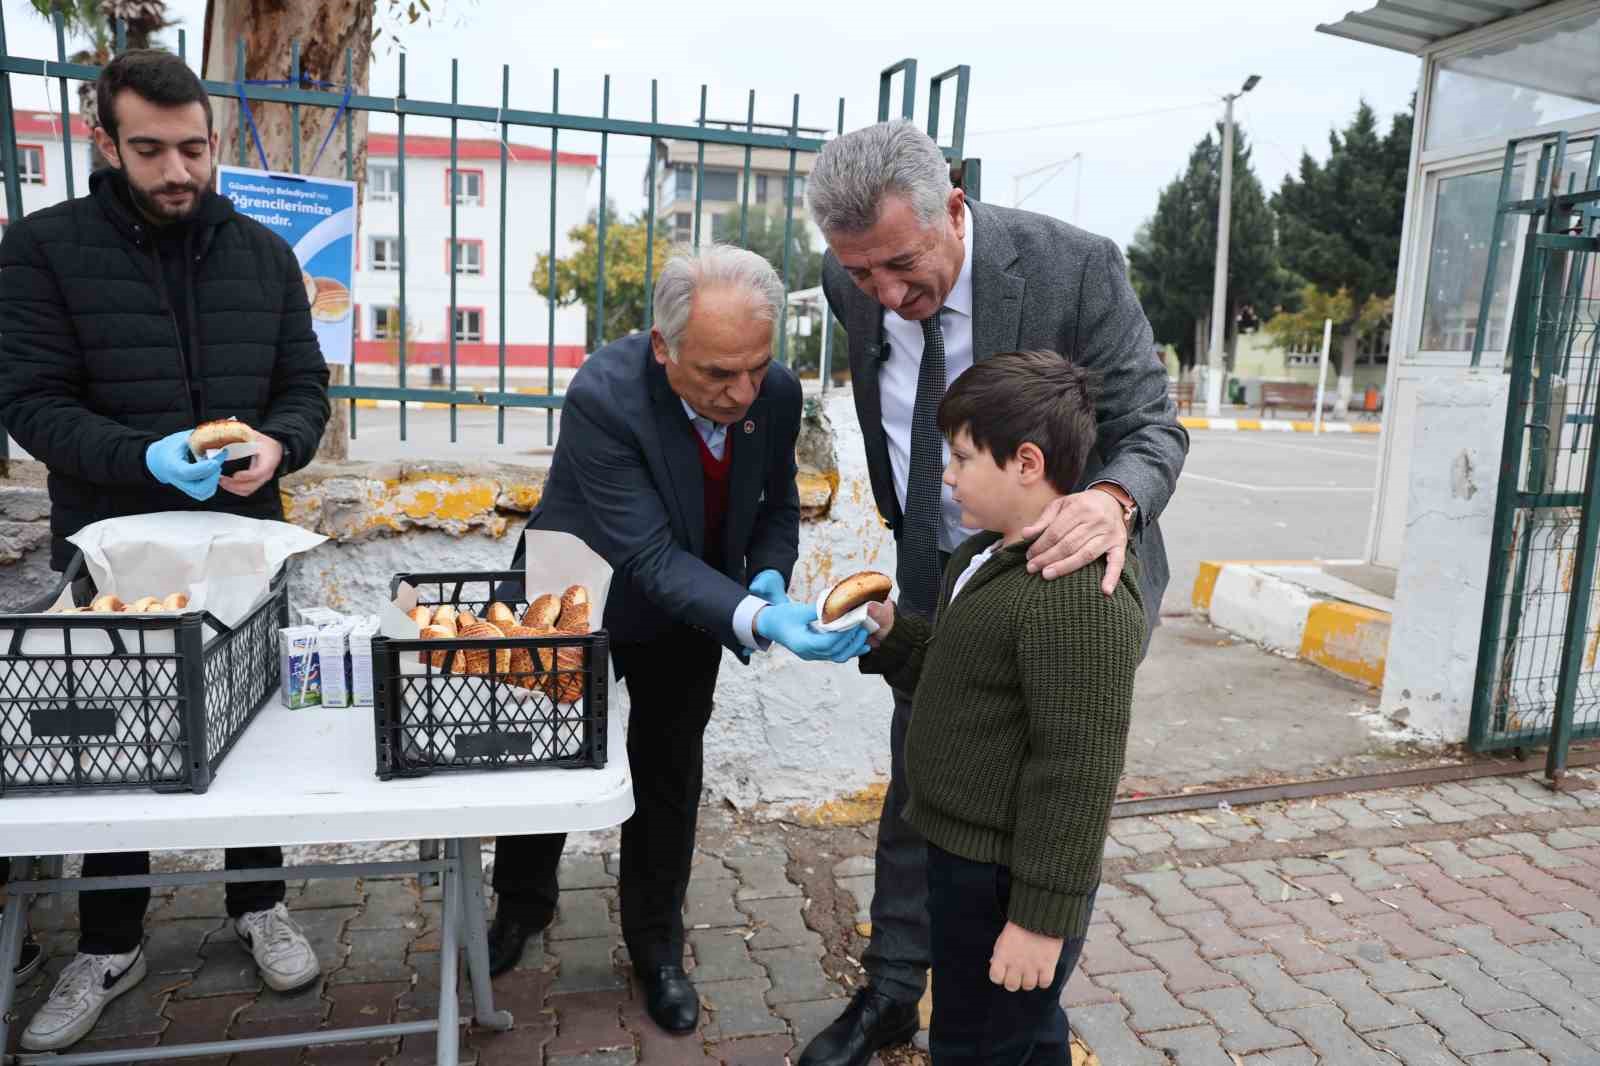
(307, 777)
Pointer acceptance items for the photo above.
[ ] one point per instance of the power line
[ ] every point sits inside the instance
(1091, 121)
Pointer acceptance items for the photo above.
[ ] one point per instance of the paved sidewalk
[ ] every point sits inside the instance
(1453, 924)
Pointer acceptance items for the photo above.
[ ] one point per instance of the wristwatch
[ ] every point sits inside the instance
(1130, 510)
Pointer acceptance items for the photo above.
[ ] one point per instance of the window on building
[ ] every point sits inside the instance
(468, 186)
(721, 185)
(799, 190)
(683, 182)
(468, 257)
(682, 226)
(469, 325)
(383, 183)
(385, 323)
(30, 164)
(384, 253)
(1544, 76)
(1458, 261)
(761, 188)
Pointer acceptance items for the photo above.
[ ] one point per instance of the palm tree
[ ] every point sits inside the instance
(95, 21)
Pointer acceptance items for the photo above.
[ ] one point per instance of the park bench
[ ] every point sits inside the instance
(1293, 395)
(1182, 395)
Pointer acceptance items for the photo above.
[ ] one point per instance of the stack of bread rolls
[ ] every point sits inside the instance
(558, 672)
(109, 604)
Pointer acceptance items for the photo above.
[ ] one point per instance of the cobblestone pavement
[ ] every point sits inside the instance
(1453, 924)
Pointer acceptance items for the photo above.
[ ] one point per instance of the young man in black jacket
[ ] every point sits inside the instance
(128, 317)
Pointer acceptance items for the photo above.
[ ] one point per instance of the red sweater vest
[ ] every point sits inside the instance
(716, 473)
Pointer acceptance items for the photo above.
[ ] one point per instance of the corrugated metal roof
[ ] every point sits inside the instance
(1413, 25)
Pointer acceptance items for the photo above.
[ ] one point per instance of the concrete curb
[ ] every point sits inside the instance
(1268, 425)
(1251, 601)
(434, 405)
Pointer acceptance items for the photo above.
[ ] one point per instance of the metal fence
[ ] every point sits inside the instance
(299, 92)
(1537, 681)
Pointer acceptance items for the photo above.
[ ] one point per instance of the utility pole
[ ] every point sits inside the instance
(1219, 287)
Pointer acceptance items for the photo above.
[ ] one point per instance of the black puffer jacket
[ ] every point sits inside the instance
(90, 366)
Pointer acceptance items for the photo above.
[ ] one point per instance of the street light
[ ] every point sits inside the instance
(1219, 285)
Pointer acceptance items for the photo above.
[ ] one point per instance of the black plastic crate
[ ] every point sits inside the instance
(443, 716)
(130, 699)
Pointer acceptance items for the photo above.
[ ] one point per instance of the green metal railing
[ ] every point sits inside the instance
(1537, 681)
(504, 117)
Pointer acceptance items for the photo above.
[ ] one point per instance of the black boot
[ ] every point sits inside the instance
(671, 999)
(872, 1021)
(509, 933)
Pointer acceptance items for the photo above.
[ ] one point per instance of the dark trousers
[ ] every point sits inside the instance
(111, 920)
(670, 681)
(976, 1021)
(897, 958)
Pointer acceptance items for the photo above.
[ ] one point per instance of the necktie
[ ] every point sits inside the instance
(919, 532)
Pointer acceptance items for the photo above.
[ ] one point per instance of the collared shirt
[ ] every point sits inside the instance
(897, 387)
(972, 568)
(897, 384)
(715, 436)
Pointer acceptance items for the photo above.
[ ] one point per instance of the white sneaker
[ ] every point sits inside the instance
(82, 991)
(281, 950)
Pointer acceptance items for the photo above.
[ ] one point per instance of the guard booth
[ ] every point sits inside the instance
(1490, 72)
(1488, 499)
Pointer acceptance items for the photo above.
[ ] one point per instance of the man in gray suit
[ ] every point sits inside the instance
(926, 282)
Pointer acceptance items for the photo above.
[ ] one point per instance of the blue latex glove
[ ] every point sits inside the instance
(789, 624)
(770, 586)
(170, 463)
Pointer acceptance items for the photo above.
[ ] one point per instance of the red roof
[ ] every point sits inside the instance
(423, 147)
(46, 124)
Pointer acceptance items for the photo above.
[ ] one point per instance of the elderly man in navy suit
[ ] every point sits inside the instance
(676, 464)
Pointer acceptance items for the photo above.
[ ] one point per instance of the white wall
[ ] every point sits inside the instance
(54, 189)
(1438, 614)
(427, 236)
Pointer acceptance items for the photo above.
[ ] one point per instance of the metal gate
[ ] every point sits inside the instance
(1537, 681)
(897, 95)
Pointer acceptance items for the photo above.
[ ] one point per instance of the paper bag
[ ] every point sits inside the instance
(224, 562)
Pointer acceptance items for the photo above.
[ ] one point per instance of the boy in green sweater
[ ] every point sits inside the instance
(1020, 719)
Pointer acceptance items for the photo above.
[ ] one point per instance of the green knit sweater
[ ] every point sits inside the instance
(1019, 723)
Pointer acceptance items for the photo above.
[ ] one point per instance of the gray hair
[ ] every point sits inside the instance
(854, 172)
(712, 265)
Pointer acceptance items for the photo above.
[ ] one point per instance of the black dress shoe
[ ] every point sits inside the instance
(508, 934)
(671, 999)
(872, 1021)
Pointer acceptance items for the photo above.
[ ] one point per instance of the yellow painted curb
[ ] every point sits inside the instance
(1366, 427)
(1205, 583)
(1247, 424)
(1348, 639)
(1188, 422)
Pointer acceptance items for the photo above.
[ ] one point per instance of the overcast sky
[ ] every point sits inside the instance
(1049, 79)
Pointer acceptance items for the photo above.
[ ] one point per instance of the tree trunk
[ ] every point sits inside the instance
(1347, 371)
(325, 30)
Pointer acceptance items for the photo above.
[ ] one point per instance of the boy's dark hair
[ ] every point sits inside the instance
(1014, 398)
(159, 77)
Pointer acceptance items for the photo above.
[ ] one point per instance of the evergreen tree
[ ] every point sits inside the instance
(1339, 226)
(1173, 255)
